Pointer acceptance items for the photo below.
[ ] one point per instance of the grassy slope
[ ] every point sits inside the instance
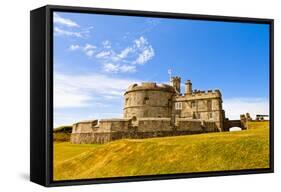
(191, 153)
(62, 133)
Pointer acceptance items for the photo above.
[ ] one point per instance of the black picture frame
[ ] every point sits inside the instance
(41, 99)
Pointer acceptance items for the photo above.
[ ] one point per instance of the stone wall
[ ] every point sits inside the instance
(82, 138)
(113, 125)
(88, 138)
(183, 124)
(84, 126)
(201, 105)
(232, 123)
(148, 100)
(211, 126)
(196, 126)
(113, 129)
(154, 124)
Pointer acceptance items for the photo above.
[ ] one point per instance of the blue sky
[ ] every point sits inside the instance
(96, 57)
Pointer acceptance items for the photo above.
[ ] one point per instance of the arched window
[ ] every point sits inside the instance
(127, 101)
(145, 100)
(178, 105)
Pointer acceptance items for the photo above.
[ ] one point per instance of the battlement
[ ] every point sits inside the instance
(200, 94)
(175, 78)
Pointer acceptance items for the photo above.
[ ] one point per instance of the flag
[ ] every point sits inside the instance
(169, 71)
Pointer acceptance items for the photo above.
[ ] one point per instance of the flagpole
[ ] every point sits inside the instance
(170, 74)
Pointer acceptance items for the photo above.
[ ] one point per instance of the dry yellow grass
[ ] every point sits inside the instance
(182, 154)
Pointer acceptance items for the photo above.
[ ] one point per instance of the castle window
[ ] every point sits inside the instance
(209, 105)
(198, 116)
(194, 115)
(145, 100)
(169, 102)
(178, 105)
(210, 115)
(193, 104)
(134, 118)
(127, 100)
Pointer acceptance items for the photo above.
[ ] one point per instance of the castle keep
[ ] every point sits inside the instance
(156, 110)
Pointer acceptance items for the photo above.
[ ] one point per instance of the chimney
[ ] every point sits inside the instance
(176, 83)
(188, 87)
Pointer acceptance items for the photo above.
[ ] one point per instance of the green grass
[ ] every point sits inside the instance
(167, 155)
(258, 124)
(66, 150)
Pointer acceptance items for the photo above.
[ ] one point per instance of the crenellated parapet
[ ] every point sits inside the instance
(199, 94)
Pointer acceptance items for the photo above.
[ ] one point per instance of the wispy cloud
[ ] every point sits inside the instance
(116, 68)
(88, 49)
(62, 32)
(235, 106)
(103, 54)
(69, 28)
(139, 52)
(73, 91)
(64, 21)
(125, 52)
(106, 44)
(150, 23)
(145, 55)
(74, 47)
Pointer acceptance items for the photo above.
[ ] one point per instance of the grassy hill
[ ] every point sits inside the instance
(181, 154)
(62, 133)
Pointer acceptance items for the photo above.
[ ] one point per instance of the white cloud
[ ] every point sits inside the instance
(90, 53)
(64, 21)
(72, 91)
(124, 53)
(144, 49)
(88, 49)
(128, 68)
(103, 54)
(74, 47)
(106, 44)
(146, 55)
(61, 32)
(116, 68)
(139, 52)
(109, 67)
(235, 106)
(70, 98)
(140, 42)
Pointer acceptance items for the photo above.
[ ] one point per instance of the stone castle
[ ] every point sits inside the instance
(156, 110)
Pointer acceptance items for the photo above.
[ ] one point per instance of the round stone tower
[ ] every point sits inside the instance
(148, 100)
